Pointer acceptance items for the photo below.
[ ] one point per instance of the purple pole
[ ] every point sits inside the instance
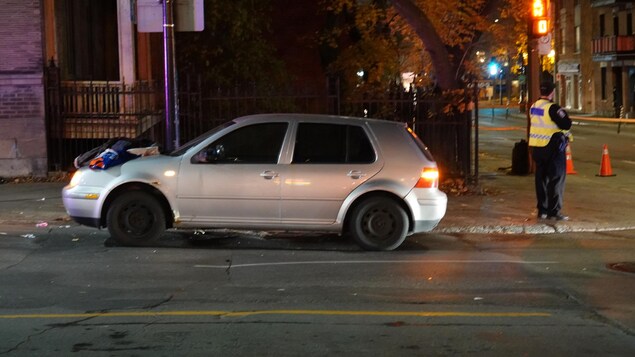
(168, 65)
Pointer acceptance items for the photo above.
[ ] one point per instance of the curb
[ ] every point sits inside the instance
(536, 228)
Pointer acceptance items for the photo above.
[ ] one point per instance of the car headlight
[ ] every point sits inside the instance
(75, 179)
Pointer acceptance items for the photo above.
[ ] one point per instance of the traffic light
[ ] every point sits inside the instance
(540, 25)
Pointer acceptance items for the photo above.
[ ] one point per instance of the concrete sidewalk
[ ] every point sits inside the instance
(509, 208)
(29, 204)
(506, 206)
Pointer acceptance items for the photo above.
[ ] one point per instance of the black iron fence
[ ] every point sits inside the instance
(202, 106)
(83, 115)
(444, 125)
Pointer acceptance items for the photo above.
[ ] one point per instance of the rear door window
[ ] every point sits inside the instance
(322, 143)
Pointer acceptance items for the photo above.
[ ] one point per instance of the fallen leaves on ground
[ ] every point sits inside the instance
(51, 177)
(460, 187)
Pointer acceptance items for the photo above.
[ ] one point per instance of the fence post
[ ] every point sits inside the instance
(53, 122)
(476, 99)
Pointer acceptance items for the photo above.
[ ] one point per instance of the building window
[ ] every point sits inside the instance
(577, 22)
(563, 43)
(87, 39)
(616, 26)
(629, 24)
(602, 24)
(603, 82)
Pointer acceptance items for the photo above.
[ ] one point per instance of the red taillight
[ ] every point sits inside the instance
(429, 178)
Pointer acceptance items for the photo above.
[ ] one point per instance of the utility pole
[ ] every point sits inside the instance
(166, 17)
(539, 25)
(500, 86)
(533, 77)
(169, 75)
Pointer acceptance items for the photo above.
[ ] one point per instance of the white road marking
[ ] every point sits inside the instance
(335, 262)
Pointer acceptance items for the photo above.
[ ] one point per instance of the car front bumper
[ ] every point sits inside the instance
(83, 204)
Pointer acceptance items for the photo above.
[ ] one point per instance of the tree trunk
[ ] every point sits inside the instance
(445, 67)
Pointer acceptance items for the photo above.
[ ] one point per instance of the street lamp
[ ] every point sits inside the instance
(492, 67)
(495, 71)
(504, 72)
(500, 86)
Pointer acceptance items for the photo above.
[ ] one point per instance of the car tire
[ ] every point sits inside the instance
(379, 223)
(135, 219)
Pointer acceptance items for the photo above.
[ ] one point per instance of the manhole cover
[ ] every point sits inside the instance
(628, 267)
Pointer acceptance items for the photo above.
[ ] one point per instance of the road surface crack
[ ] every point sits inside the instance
(154, 306)
(51, 327)
(229, 266)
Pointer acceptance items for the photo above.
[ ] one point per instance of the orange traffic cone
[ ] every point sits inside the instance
(605, 164)
(570, 169)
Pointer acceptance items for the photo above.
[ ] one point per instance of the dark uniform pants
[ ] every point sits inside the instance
(551, 171)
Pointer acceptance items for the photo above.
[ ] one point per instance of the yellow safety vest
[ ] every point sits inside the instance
(542, 127)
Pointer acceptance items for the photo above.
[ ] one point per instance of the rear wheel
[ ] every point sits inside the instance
(135, 219)
(379, 223)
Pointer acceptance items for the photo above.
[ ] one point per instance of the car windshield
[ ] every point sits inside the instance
(185, 147)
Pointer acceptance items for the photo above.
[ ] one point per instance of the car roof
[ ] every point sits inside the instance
(298, 117)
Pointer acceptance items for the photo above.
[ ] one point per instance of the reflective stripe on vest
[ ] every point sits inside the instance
(542, 127)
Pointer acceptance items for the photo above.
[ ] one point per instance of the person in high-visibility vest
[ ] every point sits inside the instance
(548, 138)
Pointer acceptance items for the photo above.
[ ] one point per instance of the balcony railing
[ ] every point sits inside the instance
(614, 45)
(601, 3)
(99, 110)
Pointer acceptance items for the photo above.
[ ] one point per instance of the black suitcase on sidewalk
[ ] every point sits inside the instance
(520, 158)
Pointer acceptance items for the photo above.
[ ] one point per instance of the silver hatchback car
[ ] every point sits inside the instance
(371, 179)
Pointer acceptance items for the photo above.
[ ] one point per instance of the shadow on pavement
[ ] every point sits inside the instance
(227, 239)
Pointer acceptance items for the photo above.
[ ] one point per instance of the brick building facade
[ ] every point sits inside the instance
(595, 47)
(22, 123)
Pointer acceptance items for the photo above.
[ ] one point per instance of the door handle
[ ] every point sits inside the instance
(355, 174)
(268, 175)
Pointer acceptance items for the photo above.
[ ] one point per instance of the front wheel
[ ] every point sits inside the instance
(379, 223)
(135, 219)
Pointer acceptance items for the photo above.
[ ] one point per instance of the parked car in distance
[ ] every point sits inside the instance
(371, 179)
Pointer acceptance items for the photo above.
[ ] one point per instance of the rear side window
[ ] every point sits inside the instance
(318, 143)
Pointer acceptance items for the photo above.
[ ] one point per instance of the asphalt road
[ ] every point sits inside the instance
(69, 290)
(499, 132)
(66, 289)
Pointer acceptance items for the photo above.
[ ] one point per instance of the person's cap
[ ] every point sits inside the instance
(546, 88)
